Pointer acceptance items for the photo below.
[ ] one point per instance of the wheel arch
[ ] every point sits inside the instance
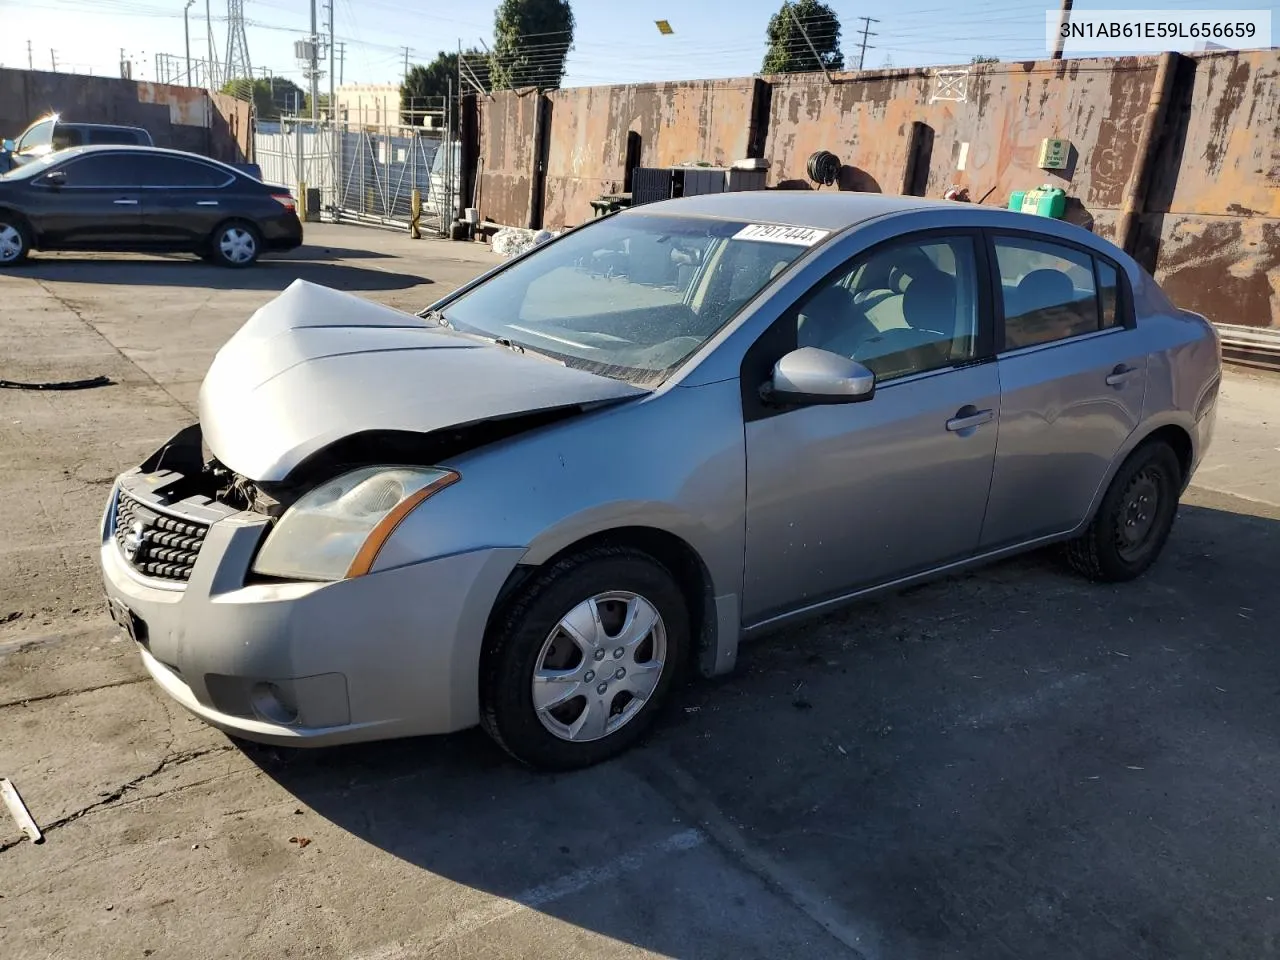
(688, 568)
(1179, 435)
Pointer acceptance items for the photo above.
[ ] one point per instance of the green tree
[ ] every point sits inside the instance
(531, 41)
(425, 86)
(270, 97)
(789, 51)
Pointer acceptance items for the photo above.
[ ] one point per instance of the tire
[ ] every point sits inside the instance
(15, 240)
(573, 729)
(1128, 533)
(236, 244)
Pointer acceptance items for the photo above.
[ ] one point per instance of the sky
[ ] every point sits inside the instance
(615, 41)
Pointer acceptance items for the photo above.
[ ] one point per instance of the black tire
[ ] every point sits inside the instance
(228, 238)
(13, 230)
(518, 632)
(1128, 533)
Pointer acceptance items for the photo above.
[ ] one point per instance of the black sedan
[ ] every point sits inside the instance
(142, 199)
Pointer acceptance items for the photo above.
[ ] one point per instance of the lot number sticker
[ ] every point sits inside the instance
(771, 233)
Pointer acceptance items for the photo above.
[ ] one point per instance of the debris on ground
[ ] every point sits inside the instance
(300, 841)
(513, 241)
(18, 810)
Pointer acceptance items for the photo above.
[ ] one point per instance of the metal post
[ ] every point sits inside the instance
(1135, 194)
(313, 66)
(53, 59)
(30, 64)
(208, 24)
(1063, 20)
(186, 31)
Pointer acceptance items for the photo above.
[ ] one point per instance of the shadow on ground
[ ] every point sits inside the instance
(1013, 763)
(270, 273)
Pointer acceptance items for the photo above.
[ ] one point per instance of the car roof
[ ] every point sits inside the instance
(806, 208)
(100, 126)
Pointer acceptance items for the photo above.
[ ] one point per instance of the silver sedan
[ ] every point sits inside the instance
(541, 502)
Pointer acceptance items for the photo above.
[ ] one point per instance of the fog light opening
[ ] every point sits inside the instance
(272, 704)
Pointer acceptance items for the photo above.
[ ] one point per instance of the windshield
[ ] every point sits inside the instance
(34, 168)
(631, 297)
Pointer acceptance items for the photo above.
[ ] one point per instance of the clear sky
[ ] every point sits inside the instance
(615, 41)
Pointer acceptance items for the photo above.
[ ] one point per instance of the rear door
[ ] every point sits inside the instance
(184, 198)
(1073, 376)
(96, 207)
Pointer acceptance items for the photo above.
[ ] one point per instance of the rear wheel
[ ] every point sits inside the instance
(1134, 520)
(15, 240)
(235, 244)
(578, 667)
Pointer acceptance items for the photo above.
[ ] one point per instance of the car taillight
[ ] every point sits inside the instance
(286, 201)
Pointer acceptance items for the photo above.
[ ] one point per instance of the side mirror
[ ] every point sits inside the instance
(810, 376)
(54, 178)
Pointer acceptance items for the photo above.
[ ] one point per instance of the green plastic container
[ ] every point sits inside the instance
(1045, 201)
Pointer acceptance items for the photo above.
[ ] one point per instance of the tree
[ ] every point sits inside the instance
(789, 50)
(322, 104)
(531, 41)
(270, 97)
(425, 87)
(983, 59)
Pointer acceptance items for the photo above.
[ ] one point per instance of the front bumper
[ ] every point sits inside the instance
(390, 654)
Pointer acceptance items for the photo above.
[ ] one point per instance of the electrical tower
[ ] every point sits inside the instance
(237, 66)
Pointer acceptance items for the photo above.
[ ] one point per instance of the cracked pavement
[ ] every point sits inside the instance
(1006, 764)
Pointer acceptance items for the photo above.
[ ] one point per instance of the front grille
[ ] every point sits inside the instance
(156, 544)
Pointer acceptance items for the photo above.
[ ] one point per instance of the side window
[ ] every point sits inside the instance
(64, 137)
(906, 307)
(112, 135)
(1109, 294)
(1048, 292)
(163, 171)
(38, 135)
(101, 170)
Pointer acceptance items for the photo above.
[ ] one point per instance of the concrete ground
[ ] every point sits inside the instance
(1008, 764)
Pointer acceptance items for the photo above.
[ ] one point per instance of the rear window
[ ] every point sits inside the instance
(112, 136)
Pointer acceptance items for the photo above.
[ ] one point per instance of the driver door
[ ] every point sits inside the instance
(844, 497)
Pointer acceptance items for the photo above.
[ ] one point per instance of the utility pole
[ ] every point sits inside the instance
(186, 29)
(314, 67)
(1064, 20)
(406, 64)
(213, 59)
(333, 104)
(30, 63)
(342, 62)
(53, 58)
(867, 32)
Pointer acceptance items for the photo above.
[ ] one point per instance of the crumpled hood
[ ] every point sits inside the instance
(315, 365)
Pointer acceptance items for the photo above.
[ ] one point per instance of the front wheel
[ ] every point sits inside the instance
(1134, 520)
(578, 667)
(15, 243)
(235, 245)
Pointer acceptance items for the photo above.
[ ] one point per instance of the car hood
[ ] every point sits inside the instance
(316, 365)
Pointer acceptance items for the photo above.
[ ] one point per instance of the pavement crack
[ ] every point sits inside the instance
(170, 761)
(26, 701)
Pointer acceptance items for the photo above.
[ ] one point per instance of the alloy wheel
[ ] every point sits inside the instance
(237, 245)
(11, 243)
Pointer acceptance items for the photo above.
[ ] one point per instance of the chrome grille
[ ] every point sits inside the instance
(156, 544)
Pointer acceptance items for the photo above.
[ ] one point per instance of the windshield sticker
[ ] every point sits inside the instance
(771, 233)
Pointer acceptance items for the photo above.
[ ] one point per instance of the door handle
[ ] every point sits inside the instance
(1120, 375)
(968, 420)
(125, 203)
(206, 203)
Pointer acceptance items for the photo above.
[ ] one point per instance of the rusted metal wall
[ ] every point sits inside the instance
(1216, 214)
(706, 121)
(185, 118)
(1212, 219)
(505, 166)
(987, 125)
